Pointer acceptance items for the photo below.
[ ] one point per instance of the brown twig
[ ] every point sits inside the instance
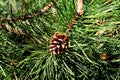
(31, 16)
(79, 13)
(17, 31)
(72, 23)
(24, 17)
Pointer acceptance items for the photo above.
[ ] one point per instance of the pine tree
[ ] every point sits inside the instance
(90, 49)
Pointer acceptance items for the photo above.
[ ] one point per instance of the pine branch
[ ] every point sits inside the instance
(72, 23)
(19, 31)
(79, 13)
(12, 30)
(31, 16)
(83, 59)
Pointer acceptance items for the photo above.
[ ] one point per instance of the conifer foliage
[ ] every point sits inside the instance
(89, 50)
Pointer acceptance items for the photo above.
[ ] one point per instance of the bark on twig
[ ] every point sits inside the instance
(17, 31)
(79, 13)
(31, 16)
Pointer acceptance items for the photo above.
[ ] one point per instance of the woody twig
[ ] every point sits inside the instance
(79, 13)
(31, 16)
(24, 17)
(17, 31)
